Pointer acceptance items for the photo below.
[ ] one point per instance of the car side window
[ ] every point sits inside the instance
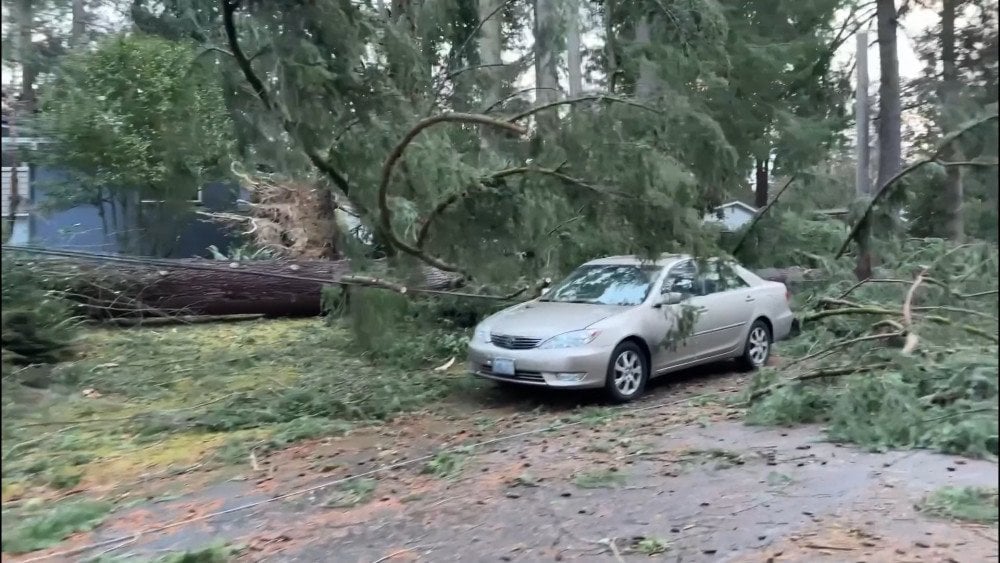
(682, 278)
(721, 276)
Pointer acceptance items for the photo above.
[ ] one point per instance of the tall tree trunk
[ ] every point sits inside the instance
(610, 53)
(546, 77)
(491, 46)
(890, 115)
(25, 19)
(78, 29)
(890, 107)
(762, 182)
(573, 56)
(546, 69)
(646, 83)
(953, 189)
(862, 177)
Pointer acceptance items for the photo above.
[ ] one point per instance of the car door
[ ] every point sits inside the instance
(682, 278)
(726, 304)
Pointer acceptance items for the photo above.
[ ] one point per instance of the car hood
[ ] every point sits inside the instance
(544, 319)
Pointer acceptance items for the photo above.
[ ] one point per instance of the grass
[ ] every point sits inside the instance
(447, 464)
(170, 398)
(650, 546)
(39, 527)
(969, 504)
(352, 493)
(606, 479)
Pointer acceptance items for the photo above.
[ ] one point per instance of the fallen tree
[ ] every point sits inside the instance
(113, 287)
(109, 287)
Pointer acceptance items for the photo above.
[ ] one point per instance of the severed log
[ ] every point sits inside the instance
(189, 287)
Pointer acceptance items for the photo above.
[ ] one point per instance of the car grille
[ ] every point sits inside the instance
(513, 342)
(519, 375)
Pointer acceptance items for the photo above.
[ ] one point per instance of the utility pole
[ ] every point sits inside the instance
(862, 180)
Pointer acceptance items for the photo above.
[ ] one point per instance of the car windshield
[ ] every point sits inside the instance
(608, 284)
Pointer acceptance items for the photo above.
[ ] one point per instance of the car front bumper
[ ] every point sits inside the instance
(568, 368)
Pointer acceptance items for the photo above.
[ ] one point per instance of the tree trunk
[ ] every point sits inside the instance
(890, 116)
(491, 51)
(25, 19)
(610, 53)
(78, 29)
(574, 61)
(862, 178)
(646, 83)
(953, 189)
(890, 107)
(546, 70)
(206, 287)
(762, 182)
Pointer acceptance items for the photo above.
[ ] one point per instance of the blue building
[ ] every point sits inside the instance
(121, 225)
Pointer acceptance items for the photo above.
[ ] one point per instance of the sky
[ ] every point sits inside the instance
(913, 24)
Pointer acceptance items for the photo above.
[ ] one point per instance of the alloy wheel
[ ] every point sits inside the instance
(759, 346)
(628, 372)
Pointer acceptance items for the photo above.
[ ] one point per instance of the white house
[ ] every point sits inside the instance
(731, 216)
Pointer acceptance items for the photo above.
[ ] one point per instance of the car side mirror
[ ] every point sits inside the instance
(545, 290)
(670, 298)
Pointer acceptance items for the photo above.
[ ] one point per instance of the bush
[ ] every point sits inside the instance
(403, 330)
(39, 326)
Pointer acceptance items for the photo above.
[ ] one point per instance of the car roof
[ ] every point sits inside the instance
(633, 260)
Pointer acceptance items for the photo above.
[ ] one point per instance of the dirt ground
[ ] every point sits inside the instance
(676, 476)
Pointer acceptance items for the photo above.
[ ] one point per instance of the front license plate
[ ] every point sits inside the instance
(503, 367)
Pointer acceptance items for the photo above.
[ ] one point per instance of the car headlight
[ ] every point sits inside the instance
(482, 335)
(571, 339)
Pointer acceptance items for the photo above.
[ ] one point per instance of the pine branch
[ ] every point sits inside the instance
(385, 212)
(229, 8)
(818, 374)
(760, 215)
(890, 186)
(443, 206)
(440, 208)
(555, 173)
(590, 98)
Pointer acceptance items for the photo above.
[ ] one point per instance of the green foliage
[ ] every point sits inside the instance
(38, 325)
(971, 504)
(942, 395)
(404, 331)
(781, 239)
(650, 546)
(136, 117)
(602, 479)
(352, 493)
(446, 464)
(52, 525)
(240, 253)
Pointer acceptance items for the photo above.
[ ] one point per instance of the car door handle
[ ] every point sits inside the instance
(750, 298)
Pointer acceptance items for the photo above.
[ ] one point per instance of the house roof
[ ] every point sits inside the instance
(738, 204)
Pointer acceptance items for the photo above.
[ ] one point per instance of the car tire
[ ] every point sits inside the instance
(757, 349)
(628, 371)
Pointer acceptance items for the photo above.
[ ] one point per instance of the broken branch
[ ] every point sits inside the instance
(590, 98)
(385, 213)
(891, 184)
(911, 338)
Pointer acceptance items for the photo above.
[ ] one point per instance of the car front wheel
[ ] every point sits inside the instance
(628, 371)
